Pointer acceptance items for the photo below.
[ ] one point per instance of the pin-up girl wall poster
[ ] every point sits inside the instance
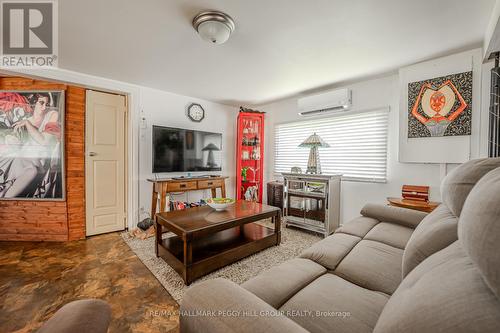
(440, 106)
(31, 145)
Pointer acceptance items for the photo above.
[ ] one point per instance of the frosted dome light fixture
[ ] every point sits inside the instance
(214, 26)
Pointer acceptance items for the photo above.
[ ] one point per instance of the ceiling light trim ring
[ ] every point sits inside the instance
(213, 16)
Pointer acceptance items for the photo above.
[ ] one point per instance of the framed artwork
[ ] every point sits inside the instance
(440, 106)
(32, 145)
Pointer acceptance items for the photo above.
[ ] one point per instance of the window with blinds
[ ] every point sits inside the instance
(358, 145)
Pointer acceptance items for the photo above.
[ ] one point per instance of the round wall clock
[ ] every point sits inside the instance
(196, 112)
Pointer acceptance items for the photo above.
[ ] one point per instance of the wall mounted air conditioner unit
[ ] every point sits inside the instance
(328, 102)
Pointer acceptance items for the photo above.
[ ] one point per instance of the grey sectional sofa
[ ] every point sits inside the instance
(390, 270)
(82, 316)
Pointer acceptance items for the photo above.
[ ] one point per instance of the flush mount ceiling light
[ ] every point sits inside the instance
(214, 26)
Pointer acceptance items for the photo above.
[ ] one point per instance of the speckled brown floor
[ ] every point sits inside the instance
(36, 279)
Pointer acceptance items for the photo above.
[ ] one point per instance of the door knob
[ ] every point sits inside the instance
(92, 153)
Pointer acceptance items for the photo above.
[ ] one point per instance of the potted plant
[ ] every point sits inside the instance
(244, 173)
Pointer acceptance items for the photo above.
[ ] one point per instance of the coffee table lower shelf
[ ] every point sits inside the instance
(214, 251)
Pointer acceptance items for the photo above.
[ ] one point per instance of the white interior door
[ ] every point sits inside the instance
(105, 162)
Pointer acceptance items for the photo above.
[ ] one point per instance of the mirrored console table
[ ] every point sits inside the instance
(312, 202)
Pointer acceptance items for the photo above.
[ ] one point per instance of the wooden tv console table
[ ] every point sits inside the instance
(163, 186)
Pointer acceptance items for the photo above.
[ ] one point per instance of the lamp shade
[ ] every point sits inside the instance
(210, 147)
(314, 141)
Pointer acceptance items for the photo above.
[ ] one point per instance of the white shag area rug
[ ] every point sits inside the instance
(293, 242)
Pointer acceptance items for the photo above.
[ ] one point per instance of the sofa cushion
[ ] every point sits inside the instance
(220, 305)
(459, 182)
(342, 305)
(276, 285)
(446, 294)
(384, 213)
(360, 226)
(391, 234)
(479, 228)
(331, 250)
(434, 233)
(372, 265)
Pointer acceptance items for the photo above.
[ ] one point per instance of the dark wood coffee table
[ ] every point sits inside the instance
(207, 240)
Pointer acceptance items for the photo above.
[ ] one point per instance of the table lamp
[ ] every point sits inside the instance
(314, 142)
(211, 160)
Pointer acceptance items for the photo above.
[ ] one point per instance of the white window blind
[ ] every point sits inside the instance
(358, 145)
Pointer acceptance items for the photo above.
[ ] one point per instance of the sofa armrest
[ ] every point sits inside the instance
(385, 213)
(220, 305)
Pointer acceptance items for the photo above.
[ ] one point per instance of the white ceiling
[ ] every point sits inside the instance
(279, 48)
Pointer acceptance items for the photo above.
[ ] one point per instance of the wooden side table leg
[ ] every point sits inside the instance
(214, 192)
(223, 189)
(163, 198)
(154, 202)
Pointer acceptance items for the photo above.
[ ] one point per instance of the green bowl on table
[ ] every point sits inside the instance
(220, 204)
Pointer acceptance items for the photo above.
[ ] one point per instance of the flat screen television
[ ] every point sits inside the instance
(183, 150)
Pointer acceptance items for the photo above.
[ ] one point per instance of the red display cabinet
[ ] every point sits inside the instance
(250, 156)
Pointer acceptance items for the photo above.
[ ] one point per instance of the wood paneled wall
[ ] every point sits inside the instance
(52, 220)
